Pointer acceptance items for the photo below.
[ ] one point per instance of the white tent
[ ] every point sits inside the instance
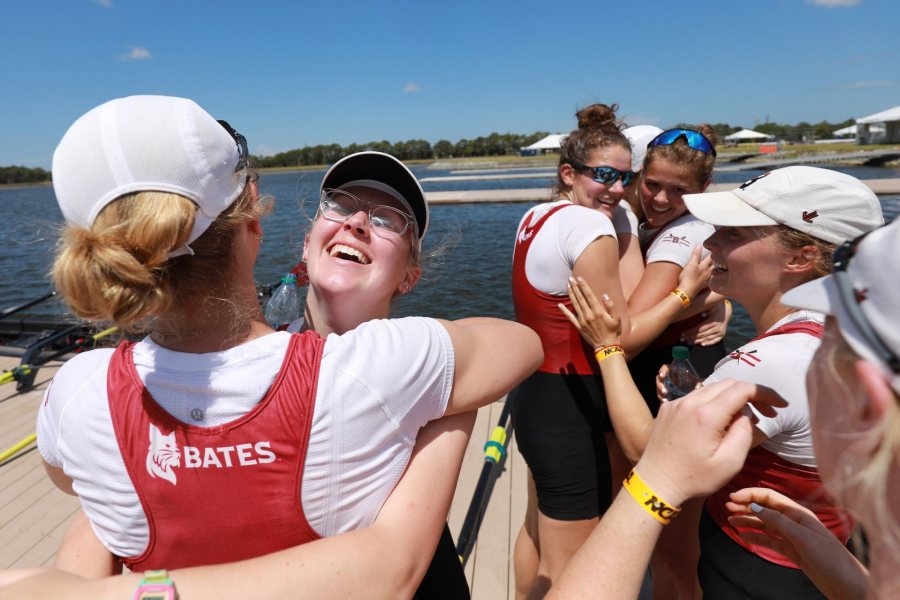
(881, 128)
(891, 114)
(747, 135)
(550, 143)
(850, 131)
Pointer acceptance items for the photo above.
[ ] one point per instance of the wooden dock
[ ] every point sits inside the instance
(34, 514)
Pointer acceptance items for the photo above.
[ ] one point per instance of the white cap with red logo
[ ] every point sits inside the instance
(825, 204)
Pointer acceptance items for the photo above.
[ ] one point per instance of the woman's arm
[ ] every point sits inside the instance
(83, 554)
(385, 560)
(653, 306)
(598, 323)
(697, 445)
(598, 265)
(492, 357)
(797, 533)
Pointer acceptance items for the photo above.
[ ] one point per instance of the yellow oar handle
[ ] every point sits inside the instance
(495, 447)
(15, 374)
(15, 448)
(104, 333)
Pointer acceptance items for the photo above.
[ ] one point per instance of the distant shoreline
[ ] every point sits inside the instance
(550, 160)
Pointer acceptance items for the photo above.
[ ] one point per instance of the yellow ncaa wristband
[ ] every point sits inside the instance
(661, 510)
(685, 299)
(604, 352)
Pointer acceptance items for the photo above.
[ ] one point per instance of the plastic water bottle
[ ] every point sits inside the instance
(682, 377)
(284, 305)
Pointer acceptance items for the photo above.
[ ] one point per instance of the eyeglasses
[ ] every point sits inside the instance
(241, 141)
(694, 139)
(606, 175)
(850, 299)
(386, 221)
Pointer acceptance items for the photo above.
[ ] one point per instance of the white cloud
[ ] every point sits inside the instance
(104, 3)
(875, 83)
(833, 3)
(263, 150)
(412, 88)
(136, 53)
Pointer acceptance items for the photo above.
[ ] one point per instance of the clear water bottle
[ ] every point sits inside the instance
(682, 377)
(284, 305)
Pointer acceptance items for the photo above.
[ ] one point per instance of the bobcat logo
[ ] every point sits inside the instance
(675, 239)
(162, 455)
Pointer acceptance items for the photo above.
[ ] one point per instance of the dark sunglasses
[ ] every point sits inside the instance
(241, 141)
(694, 139)
(606, 175)
(850, 300)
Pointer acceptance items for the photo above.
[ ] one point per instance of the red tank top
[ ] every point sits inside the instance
(564, 350)
(225, 493)
(764, 468)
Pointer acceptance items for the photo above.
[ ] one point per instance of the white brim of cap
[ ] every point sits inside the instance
(725, 208)
(822, 295)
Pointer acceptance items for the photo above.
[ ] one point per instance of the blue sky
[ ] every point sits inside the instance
(290, 73)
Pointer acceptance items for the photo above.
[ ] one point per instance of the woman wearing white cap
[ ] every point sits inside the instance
(163, 235)
(854, 389)
(854, 409)
(774, 233)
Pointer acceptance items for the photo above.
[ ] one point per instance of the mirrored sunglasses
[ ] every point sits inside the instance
(606, 175)
(386, 221)
(850, 299)
(693, 138)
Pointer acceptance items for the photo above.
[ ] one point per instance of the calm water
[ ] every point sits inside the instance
(471, 278)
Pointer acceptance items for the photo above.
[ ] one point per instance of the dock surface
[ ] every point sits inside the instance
(34, 514)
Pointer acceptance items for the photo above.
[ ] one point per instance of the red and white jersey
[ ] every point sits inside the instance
(188, 477)
(377, 385)
(779, 359)
(550, 239)
(779, 362)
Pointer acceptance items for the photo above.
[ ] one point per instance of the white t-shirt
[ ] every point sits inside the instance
(676, 241)
(779, 362)
(378, 385)
(624, 220)
(559, 243)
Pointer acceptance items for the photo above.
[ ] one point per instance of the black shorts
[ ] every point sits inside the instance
(645, 366)
(728, 570)
(559, 422)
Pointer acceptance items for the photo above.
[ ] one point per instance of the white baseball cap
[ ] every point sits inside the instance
(385, 173)
(143, 143)
(640, 136)
(863, 295)
(827, 205)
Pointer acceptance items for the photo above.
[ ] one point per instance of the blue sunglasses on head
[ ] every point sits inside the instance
(694, 139)
(606, 175)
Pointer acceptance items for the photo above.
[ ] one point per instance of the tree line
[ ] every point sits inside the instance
(801, 132)
(495, 144)
(17, 174)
